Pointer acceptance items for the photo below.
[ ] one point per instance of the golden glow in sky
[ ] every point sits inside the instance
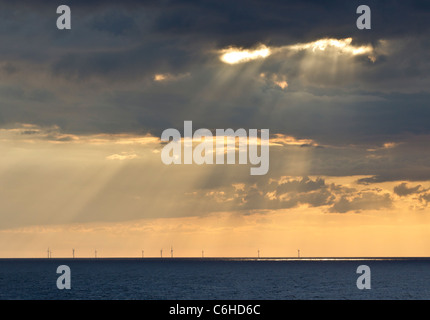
(108, 188)
(109, 192)
(341, 45)
(338, 46)
(239, 55)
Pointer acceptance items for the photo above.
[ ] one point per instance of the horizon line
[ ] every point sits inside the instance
(251, 258)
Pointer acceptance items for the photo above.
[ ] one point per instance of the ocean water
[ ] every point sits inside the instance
(220, 279)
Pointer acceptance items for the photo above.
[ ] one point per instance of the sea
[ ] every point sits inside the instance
(215, 279)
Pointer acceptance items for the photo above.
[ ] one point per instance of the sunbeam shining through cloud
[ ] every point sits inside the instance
(83, 111)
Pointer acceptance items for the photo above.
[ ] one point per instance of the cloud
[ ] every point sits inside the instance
(294, 192)
(367, 200)
(128, 71)
(334, 47)
(279, 81)
(239, 55)
(318, 81)
(122, 156)
(403, 189)
(31, 133)
(303, 185)
(425, 198)
(161, 77)
(91, 178)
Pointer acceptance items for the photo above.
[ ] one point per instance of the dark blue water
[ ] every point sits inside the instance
(213, 279)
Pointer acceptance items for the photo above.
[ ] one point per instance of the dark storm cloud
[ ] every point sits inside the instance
(99, 77)
(222, 23)
(248, 21)
(115, 22)
(117, 66)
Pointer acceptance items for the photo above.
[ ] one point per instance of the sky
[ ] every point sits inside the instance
(82, 112)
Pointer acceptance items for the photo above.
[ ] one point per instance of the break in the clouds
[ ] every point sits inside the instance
(49, 177)
(146, 66)
(82, 109)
